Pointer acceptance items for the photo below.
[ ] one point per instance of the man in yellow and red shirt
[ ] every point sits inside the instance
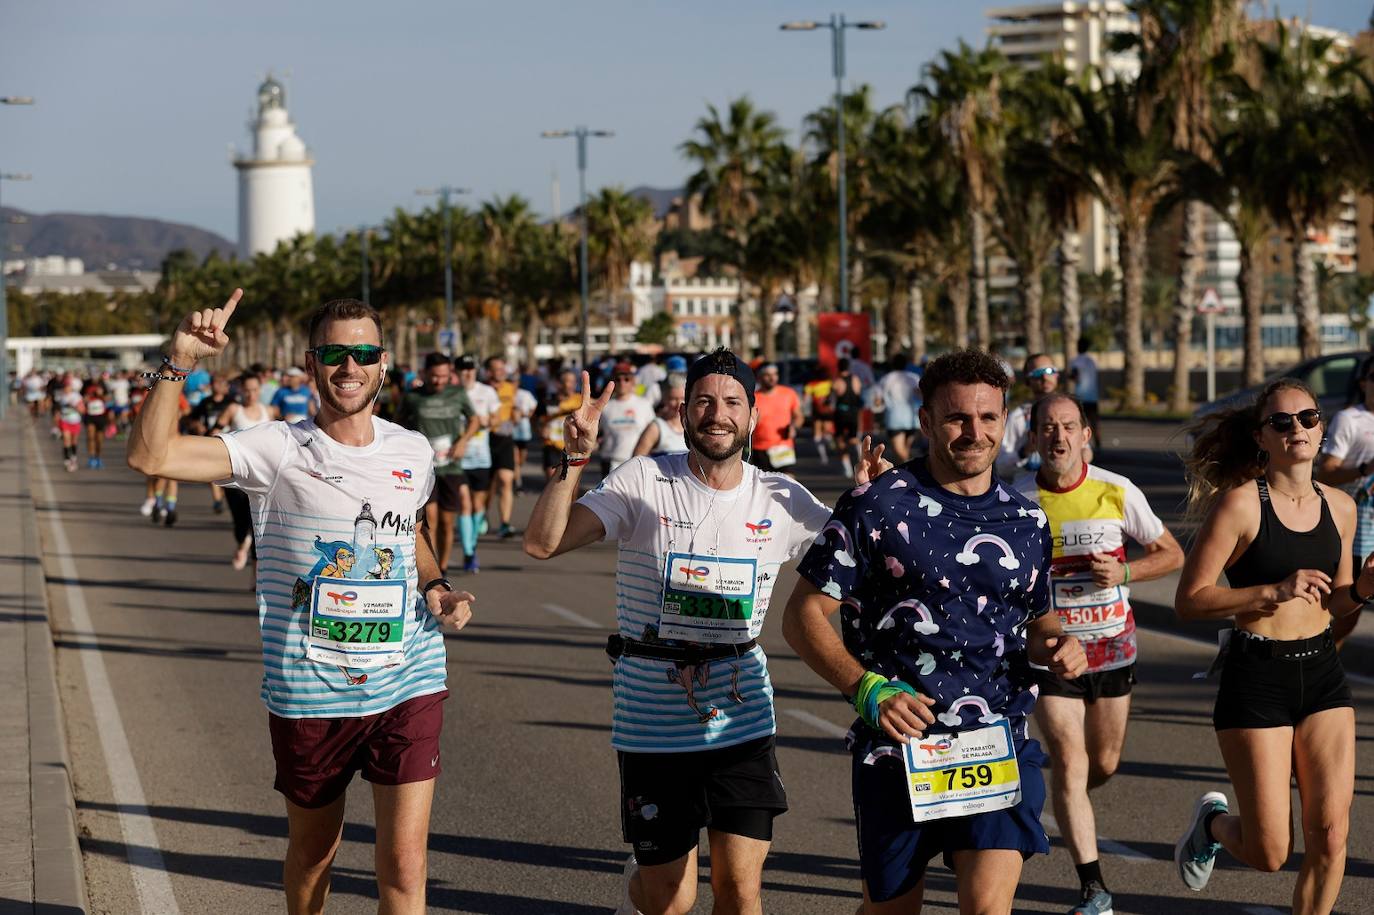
(1091, 512)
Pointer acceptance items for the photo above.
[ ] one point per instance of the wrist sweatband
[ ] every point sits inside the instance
(874, 690)
(1128, 573)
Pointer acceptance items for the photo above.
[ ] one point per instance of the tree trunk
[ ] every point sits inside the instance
(1133, 235)
(1190, 264)
(1306, 306)
(1071, 308)
(768, 295)
(804, 320)
(916, 318)
(958, 290)
(1251, 283)
(978, 277)
(532, 327)
(413, 339)
(1030, 286)
(880, 326)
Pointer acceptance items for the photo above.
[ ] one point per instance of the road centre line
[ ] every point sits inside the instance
(1116, 849)
(817, 722)
(149, 870)
(573, 617)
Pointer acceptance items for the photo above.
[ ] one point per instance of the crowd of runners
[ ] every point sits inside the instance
(980, 567)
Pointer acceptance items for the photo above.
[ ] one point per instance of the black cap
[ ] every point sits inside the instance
(722, 362)
(464, 362)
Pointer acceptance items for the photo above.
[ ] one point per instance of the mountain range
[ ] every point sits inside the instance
(131, 242)
(137, 243)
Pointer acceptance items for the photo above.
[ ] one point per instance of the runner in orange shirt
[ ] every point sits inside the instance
(780, 416)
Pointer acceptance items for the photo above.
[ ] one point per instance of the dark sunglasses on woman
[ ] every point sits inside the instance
(1283, 422)
(336, 353)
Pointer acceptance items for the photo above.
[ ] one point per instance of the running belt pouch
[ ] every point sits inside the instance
(1223, 649)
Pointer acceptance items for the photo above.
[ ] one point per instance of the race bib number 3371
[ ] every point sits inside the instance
(707, 598)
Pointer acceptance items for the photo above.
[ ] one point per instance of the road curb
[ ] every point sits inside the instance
(59, 879)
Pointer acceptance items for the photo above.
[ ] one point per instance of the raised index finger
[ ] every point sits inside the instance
(226, 312)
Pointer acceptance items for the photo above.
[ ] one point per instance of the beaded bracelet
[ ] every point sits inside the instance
(160, 376)
(174, 369)
(569, 461)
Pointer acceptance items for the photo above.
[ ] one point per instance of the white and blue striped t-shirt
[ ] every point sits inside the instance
(667, 522)
(321, 508)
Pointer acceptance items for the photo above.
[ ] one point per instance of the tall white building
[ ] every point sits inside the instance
(1080, 34)
(276, 198)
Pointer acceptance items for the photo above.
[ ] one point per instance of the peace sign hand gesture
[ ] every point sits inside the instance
(201, 335)
(579, 432)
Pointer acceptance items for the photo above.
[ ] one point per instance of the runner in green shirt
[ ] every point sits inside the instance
(442, 413)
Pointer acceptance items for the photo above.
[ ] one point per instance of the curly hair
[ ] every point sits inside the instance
(963, 366)
(1224, 454)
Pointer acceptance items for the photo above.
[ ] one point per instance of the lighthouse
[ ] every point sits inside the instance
(276, 199)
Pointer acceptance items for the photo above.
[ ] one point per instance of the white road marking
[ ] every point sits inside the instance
(817, 722)
(573, 617)
(1106, 846)
(150, 878)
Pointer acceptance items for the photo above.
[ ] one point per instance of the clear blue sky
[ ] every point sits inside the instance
(138, 100)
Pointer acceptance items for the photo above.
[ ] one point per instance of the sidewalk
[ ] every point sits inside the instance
(40, 859)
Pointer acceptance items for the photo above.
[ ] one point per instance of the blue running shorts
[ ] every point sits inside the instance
(894, 851)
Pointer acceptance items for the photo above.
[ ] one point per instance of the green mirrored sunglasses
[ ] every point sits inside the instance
(336, 353)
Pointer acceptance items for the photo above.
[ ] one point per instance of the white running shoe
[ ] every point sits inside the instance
(1196, 852)
(146, 508)
(627, 906)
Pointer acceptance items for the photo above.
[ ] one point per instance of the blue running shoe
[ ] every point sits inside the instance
(1096, 901)
(1195, 854)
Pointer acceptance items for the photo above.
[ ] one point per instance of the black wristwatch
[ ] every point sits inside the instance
(436, 583)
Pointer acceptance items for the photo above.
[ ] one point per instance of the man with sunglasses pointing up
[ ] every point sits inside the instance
(350, 599)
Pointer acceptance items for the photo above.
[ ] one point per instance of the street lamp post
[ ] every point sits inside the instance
(837, 26)
(4, 304)
(581, 133)
(445, 193)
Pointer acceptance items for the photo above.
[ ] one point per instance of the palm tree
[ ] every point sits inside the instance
(1314, 157)
(505, 222)
(1183, 40)
(860, 119)
(1037, 192)
(917, 225)
(736, 157)
(1124, 143)
(963, 93)
(619, 232)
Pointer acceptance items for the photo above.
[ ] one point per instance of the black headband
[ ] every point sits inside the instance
(722, 362)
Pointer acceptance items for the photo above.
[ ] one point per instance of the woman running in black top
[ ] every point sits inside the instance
(1283, 707)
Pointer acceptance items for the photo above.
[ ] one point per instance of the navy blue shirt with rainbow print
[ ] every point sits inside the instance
(937, 588)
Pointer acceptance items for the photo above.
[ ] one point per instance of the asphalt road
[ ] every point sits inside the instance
(159, 671)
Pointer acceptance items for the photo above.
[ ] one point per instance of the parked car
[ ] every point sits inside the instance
(1331, 378)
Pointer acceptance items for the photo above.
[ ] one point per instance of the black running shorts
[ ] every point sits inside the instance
(666, 798)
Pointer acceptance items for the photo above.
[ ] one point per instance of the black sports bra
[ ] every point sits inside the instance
(1277, 552)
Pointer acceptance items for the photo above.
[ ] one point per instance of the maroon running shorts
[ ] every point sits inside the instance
(316, 757)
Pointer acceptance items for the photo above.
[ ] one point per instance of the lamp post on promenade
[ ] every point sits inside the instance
(4, 304)
(837, 25)
(444, 193)
(582, 133)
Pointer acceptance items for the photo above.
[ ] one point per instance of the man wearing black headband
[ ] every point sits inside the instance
(702, 537)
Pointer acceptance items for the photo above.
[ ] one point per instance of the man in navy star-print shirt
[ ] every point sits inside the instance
(941, 578)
